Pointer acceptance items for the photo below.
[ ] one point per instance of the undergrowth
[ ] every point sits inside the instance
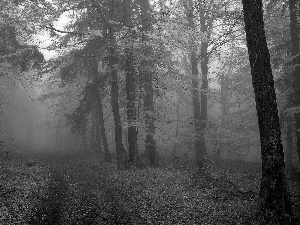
(98, 193)
(22, 185)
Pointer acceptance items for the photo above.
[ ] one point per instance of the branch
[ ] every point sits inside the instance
(66, 32)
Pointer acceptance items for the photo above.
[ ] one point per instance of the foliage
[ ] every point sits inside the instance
(21, 188)
(159, 195)
(76, 68)
(78, 118)
(16, 55)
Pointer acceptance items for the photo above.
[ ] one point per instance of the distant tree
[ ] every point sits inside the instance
(238, 127)
(274, 197)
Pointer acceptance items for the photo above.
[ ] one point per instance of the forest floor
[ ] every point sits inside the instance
(82, 190)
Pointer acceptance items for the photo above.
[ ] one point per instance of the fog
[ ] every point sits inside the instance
(29, 125)
(149, 112)
(33, 116)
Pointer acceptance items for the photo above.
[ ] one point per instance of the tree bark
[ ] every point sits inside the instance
(98, 133)
(199, 131)
(100, 130)
(206, 24)
(120, 151)
(274, 197)
(294, 99)
(289, 147)
(130, 91)
(107, 156)
(148, 65)
(95, 128)
(93, 131)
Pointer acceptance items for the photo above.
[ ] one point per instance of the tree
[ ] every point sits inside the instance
(148, 66)
(130, 89)
(15, 59)
(21, 58)
(99, 109)
(294, 100)
(274, 197)
(95, 132)
(206, 21)
(97, 26)
(73, 68)
(113, 65)
(199, 135)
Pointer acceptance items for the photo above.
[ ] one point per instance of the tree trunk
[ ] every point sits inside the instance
(100, 131)
(93, 131)
(107, 156)
(199, 132)
(148, 65)
(295, 96)
(120, 151)
(84, 141)
(98, 128)
(297, 122)
(289, 147)
(130, 91)
(224, 116)
(274, 197)
(206, 24)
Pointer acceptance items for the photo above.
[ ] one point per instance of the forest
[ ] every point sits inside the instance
(149, 112)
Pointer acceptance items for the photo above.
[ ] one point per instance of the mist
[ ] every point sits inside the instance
(149, 112)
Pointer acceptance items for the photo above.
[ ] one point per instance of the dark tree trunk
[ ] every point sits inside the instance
(199, 131)
(98, 134)
(204, 89)
(274, 196)
(224, 115)
(206, 24)
(150, 143)
(107, 156)
(295, 96)
(120, 151)
(297, 122)
(289, 147)
(84, 141)
(95, 131)
(130, 91)
(100, 125)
